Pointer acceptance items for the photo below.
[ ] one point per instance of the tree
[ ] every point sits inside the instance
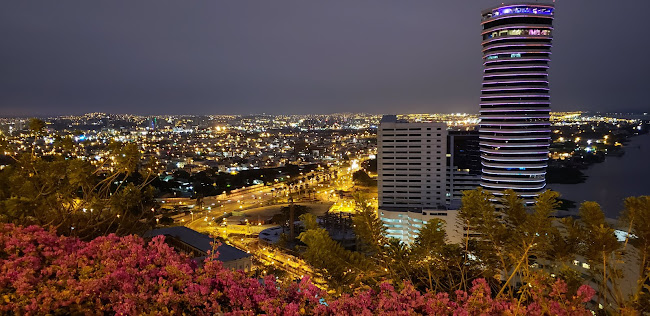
(362, 178)
(76, 197)
(507, 235)
(308, 221)
(636, 215)
(481, 219)
(66, 144)
(342, 270)
(369, 229)
(436, 265)
(531, 233)
(600, 249)
(36, 126)
(564, 242)
(370, 165)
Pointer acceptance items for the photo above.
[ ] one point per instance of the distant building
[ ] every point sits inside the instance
(197, 245)
(515, 102)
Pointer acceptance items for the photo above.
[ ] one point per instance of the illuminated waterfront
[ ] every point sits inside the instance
(608, 183)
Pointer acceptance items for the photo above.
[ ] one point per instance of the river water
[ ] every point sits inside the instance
(613, 180)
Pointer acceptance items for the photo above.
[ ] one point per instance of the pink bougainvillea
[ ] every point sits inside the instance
(42, 273)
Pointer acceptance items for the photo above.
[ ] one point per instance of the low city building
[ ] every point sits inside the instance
(198, 245)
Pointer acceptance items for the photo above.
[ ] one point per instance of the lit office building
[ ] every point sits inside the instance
(413, 177)
(515, 104)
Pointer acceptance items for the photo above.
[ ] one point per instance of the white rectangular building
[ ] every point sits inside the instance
(411, 163)
(412, 176)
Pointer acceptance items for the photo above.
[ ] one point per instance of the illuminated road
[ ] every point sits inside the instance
(251, 198)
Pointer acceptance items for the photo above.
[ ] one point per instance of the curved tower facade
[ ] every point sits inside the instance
(515, 103)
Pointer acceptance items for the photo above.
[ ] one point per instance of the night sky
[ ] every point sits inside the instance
(299, 57)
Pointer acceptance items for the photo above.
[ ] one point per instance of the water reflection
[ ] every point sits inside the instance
(616, 178)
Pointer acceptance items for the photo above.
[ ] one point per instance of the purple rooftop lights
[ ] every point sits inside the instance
(522, 10)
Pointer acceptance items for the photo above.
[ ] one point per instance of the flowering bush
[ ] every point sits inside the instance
(42, 273)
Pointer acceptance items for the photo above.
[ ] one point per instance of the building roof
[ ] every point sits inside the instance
(388, 119)
(199, 241)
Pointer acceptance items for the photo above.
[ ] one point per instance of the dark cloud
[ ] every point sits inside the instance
(240, 56)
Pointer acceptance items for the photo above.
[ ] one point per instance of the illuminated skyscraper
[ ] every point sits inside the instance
(515, 104)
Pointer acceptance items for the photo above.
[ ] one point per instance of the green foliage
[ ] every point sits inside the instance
(508, 235)
(600, 251)
(308, 221)
(75, 197)
(601, 235)
(636, 216)
(369, 229)
(480, 217)
(362, 178)
(431, 239)
(4, 143)
(509, 243)
(343, 270)
(282, 217)
(429, 263)
(283, 241)
(564, 242)
(370, 165)
(166, 220)
(126, 157)
(36, 126)
(436, 265)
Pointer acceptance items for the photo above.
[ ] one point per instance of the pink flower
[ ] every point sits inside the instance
(42, 273)
(585, 293)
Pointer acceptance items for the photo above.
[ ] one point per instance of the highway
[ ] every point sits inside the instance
(250, 198)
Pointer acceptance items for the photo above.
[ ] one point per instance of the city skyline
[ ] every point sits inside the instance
(366, 157)
(236, 58)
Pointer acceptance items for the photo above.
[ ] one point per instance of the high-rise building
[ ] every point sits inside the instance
(463, 165)
(515, 103)
(411, 163)
(411, 167)
(418, 177)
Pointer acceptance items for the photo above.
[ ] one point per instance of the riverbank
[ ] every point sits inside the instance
(610, 182)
